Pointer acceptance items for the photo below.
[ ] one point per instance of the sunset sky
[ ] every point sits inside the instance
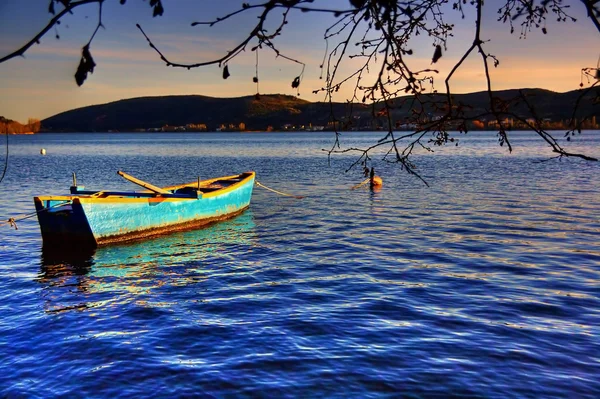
(42, 84)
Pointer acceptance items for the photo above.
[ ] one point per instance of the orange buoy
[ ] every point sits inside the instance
(376, 181)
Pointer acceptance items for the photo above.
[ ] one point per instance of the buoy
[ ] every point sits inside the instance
(43, 151)
(376, 181)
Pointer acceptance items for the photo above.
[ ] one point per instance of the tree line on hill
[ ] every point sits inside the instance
(13, 127)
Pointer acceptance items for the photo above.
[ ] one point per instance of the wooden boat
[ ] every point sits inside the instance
(92, 218)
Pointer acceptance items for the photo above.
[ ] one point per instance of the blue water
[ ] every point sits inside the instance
(486, 284)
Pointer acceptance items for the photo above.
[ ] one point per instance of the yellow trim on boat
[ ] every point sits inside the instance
(231, 187)
(56, 197)
(121, 199)
(158, 198)
(208, 182)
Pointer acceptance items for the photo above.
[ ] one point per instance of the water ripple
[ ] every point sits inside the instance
(484, 285)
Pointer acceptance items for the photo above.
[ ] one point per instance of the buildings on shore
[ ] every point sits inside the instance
(529, 123)
(356, 123)
(229, 127)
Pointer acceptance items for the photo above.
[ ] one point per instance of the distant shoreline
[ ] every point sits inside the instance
(272, 131)
(189, 113)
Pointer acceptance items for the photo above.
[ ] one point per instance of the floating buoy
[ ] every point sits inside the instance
(43, 151)
(376, 181)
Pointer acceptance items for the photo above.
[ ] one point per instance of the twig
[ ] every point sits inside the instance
(36, 39)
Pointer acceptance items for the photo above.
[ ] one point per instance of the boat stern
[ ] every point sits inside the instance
(63, 222)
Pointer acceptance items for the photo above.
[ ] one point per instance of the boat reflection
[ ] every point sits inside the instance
(138, 267)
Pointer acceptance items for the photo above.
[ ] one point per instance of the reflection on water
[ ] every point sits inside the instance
(131, 266)
(56, 262)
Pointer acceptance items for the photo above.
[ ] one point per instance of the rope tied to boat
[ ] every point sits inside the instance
(278, 192)
(12, 222)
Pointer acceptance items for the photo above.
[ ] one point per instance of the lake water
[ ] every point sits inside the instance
(486, 284)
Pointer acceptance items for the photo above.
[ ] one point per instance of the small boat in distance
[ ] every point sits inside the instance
(93, 218)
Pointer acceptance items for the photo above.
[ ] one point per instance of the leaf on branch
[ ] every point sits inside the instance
(437, 54)
(408, 11)
(226, 73)
(123, 2)
(296, 82)
(51, 8)
(158, 8)
(86, 65)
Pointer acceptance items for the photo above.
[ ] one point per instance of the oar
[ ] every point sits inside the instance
(142, 183)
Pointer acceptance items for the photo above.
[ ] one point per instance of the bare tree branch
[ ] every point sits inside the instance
(379, 34)
(53, 22)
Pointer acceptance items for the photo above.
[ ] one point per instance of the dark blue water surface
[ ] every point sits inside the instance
(486, 284)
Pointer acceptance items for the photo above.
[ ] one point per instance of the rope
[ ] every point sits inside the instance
(6, 160)
(12, 222)
(360, 184)
(278, 192)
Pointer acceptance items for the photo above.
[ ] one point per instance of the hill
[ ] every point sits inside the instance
(258, 113)
(155, 112)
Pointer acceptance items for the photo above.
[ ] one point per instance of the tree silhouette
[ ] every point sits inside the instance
(379, 34)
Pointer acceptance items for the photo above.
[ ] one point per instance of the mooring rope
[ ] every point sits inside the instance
(12, 222)
(362, 183)
(278, 192)
(5, 160)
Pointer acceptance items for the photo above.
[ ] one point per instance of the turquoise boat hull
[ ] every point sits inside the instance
(93, 218)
